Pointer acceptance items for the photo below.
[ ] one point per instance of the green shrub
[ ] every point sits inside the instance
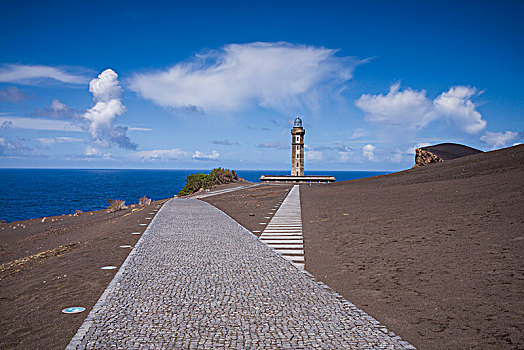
(217, 176)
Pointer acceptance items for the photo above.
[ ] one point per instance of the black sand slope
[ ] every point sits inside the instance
(448, 151)
(435, 253)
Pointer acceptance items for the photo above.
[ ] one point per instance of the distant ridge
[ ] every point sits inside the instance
(442, 152)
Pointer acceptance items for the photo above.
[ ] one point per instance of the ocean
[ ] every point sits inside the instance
(34, 193)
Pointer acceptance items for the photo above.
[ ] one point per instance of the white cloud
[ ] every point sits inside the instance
(398, 156)
(101, 118)
(343, 156)
(32, 74)
(313, 156)
(56, 105)
(499, 139)
(411, 109)
(359, 132)
(39, 124)
(270, 75)
(106, 87)
(160, 154)
(368, 151)
(107, 94)
(206, 156)
(139, 129)
(57, 110)
(407, 108)
(91, 151)
(12, 148)
(53, 140)
(456, 105)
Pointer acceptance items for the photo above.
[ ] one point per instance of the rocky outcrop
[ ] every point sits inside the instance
(423, 157)
(442, 152)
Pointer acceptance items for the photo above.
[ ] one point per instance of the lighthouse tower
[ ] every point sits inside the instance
(297, 148)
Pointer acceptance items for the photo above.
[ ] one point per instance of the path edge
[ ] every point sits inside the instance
(88, 322)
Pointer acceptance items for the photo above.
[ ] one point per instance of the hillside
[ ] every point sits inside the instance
(442, 152)
(436, 253)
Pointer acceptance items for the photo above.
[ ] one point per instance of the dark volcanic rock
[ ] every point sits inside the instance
(442, 152)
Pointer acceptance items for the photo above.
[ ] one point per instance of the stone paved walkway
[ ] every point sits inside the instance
(283, 233)
(199, 280)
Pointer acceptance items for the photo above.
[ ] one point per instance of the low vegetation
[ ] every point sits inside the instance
(116, 205)
(144, 202)
(217, 176)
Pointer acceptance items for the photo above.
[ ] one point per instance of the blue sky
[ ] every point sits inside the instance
(195, 85)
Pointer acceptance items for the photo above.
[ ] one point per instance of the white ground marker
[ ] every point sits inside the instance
(73, 310)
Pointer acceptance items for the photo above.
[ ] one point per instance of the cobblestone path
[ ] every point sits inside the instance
(283, 233)
(199, 280)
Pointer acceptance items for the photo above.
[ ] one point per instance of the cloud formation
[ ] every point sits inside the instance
(6, 124)
(224, 142)
(12, 94)
(312, 154)
(499, 139)
(133, 128)
(38, 124)
(274, 145)
(407, 108)
(107, 95)
(270, 75)
(413, 110)
(56, 110)
(53, 140)
(160, 154)
(368, 151)
(91, 151)
(455, 104)
(344, 156)
(9, 148)
(33, 74)
(400, 156)
(214, 155)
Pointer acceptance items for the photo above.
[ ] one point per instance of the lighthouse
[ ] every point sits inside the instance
(297, 148)
(297, 161)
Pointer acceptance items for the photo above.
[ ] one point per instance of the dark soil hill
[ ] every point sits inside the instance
(448, 151)
(442, 152)
(436, 253)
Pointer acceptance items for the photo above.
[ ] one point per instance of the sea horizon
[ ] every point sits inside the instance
(195, 169)
(31, 193)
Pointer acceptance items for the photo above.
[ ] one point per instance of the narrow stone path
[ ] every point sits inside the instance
(283, 233)
(199, 280)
